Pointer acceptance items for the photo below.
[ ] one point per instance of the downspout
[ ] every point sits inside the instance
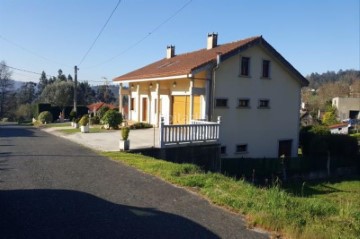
(213, 82)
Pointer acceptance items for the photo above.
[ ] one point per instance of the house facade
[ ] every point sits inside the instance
(347, 108)
(248, 83)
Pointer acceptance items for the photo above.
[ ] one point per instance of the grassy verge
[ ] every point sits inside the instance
(73, 130)
(316, 213)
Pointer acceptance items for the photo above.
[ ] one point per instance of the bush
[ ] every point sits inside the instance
(101, 112)
(45, 117)
(141, 125)
(84, 120)
(125, 133)
(72, 116)
(112, 118)
(95, 120)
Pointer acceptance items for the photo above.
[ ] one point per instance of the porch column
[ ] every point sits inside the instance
(191, 111)
(158, 104)
(129, 113)
(121, 110)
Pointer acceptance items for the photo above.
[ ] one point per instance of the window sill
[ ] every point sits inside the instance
(243, 107)
(265, 108)
(265, 78)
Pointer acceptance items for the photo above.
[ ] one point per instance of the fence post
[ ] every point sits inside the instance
(161, 143)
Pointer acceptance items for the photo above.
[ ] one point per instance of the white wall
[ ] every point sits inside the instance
(260, 129)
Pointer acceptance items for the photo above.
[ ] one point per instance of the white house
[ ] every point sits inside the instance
(247, 82)
(342, 128)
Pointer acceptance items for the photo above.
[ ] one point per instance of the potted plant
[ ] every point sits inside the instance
(76, 122)
(84, 124)
(124, 143)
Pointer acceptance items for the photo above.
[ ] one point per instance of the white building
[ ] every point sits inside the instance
(247, 82)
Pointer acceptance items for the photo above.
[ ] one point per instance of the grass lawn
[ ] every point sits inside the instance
(73, 130)
(318, 210)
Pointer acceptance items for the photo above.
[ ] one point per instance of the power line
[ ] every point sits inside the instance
(31, 52)
(144, 37)
(102, 29)
(27, 71)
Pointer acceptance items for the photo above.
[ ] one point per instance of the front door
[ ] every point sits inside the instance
(144, 109)
(285, 148)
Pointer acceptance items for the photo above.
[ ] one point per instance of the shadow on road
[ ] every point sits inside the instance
(73, 214)
(16, 130)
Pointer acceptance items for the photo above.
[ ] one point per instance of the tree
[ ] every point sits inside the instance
(330, 117)
(69, 78)
(85, 94)
(26, 94)
(60, 94)
(104, 94)
(43, 82)
(24, 112)
(6, 89)
(61, 76)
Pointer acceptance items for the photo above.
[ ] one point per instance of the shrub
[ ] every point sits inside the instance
(72, 116)
(112, 118)
(95, 120)
(101, 112)
(125, 133)
(141, 125)
(45, 117)
(84, 120)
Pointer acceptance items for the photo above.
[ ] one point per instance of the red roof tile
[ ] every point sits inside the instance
(184, 63)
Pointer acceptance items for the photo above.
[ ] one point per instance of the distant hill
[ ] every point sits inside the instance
(114, 89)
(18, 84)
(348, 76)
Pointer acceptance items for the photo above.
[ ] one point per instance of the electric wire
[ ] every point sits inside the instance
(102, 29)
(32, 52)
(144, 37)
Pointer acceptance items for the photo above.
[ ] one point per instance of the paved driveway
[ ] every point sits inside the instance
(53, 188)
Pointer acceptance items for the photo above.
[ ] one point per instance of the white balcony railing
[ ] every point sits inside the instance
(197, 131)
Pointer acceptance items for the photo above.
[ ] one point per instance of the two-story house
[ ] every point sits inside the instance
(247, 82)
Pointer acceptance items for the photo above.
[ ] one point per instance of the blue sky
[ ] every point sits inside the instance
(37, 35)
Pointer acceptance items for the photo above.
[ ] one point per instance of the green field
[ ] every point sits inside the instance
(317, 210)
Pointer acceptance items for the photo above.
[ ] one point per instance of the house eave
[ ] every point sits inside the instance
(164, 78)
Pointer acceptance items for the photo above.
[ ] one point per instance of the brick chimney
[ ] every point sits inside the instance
(170, 51)
(211, 40)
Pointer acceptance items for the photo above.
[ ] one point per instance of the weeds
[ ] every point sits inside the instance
(318, 211)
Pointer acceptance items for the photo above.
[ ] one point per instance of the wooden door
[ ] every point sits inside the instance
(197, 107)
(180, 108)
(144, 109)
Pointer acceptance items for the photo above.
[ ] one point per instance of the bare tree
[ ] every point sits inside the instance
(6, 88)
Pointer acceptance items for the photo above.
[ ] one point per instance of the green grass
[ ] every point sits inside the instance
(73, 130)
(323, 210)
(52, 125)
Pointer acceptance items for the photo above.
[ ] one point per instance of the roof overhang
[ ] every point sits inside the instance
(164, 78)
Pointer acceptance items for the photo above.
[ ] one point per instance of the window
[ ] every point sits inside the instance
(221, 103)
(223, 150)
(245, 66)
(132, 104)
(264, 104)
(266, 69)
(244, 103)
(241, 148)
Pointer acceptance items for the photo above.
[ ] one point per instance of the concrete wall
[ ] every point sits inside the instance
(260, 129)
(345, 105)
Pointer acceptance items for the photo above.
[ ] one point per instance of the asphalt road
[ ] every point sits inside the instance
(53, 188)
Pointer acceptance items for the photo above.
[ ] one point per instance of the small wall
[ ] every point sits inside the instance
(205, 156)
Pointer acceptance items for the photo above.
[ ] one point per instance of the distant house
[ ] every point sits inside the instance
(347, 108)
(342, 128)
(95, 107)
(247, 82)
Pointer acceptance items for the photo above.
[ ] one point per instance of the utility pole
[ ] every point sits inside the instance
(75, 87)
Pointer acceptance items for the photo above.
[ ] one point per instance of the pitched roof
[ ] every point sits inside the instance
(184, 64)
(340, 125)
(98, 105)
